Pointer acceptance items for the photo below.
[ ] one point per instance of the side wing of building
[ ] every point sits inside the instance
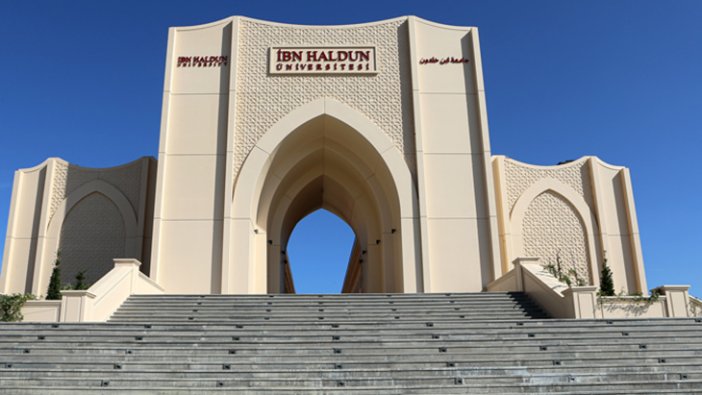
(83, 217)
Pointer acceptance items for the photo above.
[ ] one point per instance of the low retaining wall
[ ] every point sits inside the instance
(41, 311)
(97, 303)
(561, 301)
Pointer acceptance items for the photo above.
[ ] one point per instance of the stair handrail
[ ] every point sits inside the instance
(695, 306)
(102, 299)
(546, 290)
(552, 295)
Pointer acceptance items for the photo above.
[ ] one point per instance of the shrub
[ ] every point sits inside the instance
(11, 306)
(564, 276)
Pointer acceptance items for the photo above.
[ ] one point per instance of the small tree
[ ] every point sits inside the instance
(606, 281)
(54, 292)
(80, 281)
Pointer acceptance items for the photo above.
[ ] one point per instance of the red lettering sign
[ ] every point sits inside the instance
(203, 61)
(443, 61)
(324, 60)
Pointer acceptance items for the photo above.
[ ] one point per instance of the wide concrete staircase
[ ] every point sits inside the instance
(484, 343)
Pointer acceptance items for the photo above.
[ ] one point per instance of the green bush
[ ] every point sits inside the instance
(564, 276)
(11, 306)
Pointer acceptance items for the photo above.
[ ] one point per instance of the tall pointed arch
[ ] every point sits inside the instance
(244, 253)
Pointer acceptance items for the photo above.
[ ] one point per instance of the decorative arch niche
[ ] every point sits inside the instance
(117, 207)
(92, 235)
(566, 201)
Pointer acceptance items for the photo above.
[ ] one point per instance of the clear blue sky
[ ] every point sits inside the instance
(622, 80)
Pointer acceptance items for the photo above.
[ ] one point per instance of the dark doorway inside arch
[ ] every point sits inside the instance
(318, 253)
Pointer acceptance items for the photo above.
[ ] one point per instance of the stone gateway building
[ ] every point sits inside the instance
(460, 258)
(383, 124)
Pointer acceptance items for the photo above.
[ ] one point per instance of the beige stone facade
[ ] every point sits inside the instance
(384, 124)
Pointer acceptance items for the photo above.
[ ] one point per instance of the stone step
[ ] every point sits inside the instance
(399, 329)
(283, 335)
(320, 316)
(323, 384)
(241, 301)
(236, 301)
(313, 310)
(342, 307)
(344, 297)
(351, 341)
(375, 390)
(379, 349)
(322, 332)
(198, 349)
(331, 305)
(489, 343)
(40, 339)
(322, 361)
(298, 306)
(507, 340)
(690, 372)
(671, 324)
(506, 324)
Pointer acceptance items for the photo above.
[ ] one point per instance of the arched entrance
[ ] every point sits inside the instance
(323, 155)
(318, 253)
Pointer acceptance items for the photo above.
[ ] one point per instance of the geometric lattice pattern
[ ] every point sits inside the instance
(262, 100)
(67, 178)
(92, 234)
(551, 228)
(520, 176)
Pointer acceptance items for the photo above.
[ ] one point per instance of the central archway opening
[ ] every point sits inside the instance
(318, 253)
(326, 164)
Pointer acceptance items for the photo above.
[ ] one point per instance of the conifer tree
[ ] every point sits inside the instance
(606, 281)
(80, 281)
(54, 292)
